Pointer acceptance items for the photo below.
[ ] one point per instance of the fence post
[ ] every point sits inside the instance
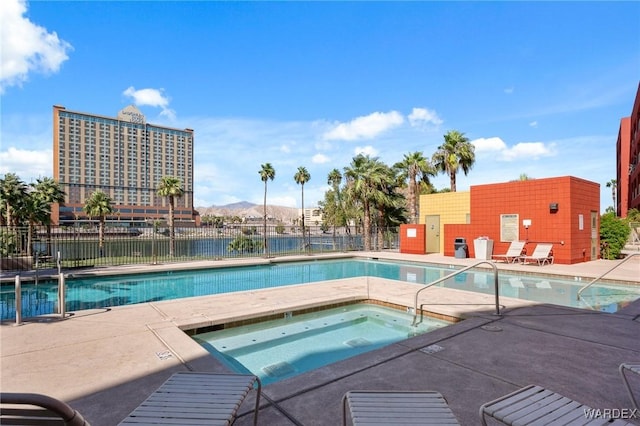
(59, 262)
(61, 295)
(18, 301)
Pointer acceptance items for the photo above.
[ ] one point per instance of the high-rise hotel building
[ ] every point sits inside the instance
(126, 158)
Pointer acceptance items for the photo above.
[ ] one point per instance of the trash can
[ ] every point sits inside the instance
(461, 248)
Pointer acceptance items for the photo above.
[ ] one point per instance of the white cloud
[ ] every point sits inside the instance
(151, 97)
(529, 150)
(423, 117)
(489, 145)
(508, 90)
(285, 148)
(27, 164)
(26, 47)
(365, 127)
(366, 150)
(498, 149)
(533, 124)
(320, 159)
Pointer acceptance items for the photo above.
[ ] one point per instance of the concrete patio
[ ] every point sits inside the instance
(105, 362)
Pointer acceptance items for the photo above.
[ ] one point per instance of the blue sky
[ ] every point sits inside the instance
(538, 87)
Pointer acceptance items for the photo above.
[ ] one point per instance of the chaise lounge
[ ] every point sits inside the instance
(196, 398)
(394, 408)
(513, 252)
(625, 371)
(537, 405)
(37, 409)
(541, 254)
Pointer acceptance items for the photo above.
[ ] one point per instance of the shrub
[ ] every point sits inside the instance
(245, 244)
(614, 233)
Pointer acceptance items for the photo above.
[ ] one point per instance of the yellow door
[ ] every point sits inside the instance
(433, 233)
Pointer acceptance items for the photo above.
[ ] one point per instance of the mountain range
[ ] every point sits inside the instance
(251, 211)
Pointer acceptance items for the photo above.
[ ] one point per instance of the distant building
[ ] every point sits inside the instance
(312, 216)
(627, 158)
(126, 158)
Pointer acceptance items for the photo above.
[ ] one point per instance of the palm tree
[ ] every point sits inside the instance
(337, 213)
(456, 152)
(267, 172)
(171, 188)
(13, 191)
(37, 211)
(412, 167)
(301, 177)
(50, 192)
(99, 205)
(613, 184)
(365, 176)
(524, 176)
(384, 198)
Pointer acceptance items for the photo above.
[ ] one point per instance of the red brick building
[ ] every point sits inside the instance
(563, 211)
(627, 158)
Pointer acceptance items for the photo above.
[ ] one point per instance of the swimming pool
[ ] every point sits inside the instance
(117, 290)
(279, 349)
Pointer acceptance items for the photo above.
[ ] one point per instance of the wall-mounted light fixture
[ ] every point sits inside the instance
(553, 207)
(526, 223)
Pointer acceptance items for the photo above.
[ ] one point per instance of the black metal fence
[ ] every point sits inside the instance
(76, 247)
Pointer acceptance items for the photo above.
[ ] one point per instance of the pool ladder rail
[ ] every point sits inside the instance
(578, 297)
(439, 280)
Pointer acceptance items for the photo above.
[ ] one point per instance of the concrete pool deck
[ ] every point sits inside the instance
(106, 362)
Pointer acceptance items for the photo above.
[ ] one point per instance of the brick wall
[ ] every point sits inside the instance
(532, 199)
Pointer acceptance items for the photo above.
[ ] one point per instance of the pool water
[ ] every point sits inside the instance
(279, 349)
(117, 290)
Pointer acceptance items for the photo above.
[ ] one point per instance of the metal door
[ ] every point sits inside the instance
(433, 233)
(594, 236)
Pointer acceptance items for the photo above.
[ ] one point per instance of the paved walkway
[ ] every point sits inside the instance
(105, 362)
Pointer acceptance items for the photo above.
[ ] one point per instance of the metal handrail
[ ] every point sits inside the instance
(439, 280)
(605, 273)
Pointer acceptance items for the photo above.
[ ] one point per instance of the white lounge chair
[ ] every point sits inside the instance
(537, 405)
(630, 369)
(543, 284)
(397, 407)
(196, 398)
(513, 252)
(37, 409)
(516, 282)
(541, 255)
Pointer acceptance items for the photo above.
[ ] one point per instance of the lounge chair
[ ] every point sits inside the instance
(37, 409)
(397, 407)
(541, 254)
(624, 370)
(536, 405)
(513, 252)
(516, 282)
(543, 284)
(196, 398)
